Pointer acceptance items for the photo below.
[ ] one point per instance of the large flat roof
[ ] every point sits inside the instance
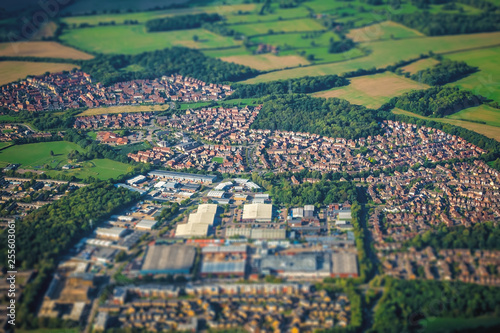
(344, 263)
(169, 258)
(257, 211)
(223, 267)
(182, 175)
(191, 230)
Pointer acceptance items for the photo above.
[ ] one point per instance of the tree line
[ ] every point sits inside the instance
(445, 72)
(449, 24)
(331, 117)
(109, 69)
(303, 85)
(435, 102)
(181, 22)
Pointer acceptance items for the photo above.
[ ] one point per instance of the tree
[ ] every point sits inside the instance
(195, 38)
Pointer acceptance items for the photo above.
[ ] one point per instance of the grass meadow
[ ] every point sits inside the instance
(11, 71)
(42, 50)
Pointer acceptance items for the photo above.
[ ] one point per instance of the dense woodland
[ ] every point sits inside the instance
(109, 69)
(445, 72)
(181, 22)
(405, 303)
(449, 24)
(482, 236)
(330, 117)
(303, 85)
(435, 102)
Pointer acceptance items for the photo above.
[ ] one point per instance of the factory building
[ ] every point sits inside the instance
(181, 176)
(146, 225)
(257, 212)
(344, 265)
(256, 233)
(111, 233)
(225, 261)
(168, 259)
(303, 265)
(198, 223)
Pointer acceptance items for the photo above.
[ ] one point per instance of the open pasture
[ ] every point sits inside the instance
(481, 113)
(133, 39)
(124, 109)
(372, 90)
(420, 65)
(384, 53)
(11, 71)
(299, 25)
(382, 31)
(42, 50)
(265, 62)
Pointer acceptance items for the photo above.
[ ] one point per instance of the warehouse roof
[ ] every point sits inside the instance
(224, 249)
(191, 230)
(223, 267)
(258, 211)
(182, 175)
(216, 194)
(146, 224)
(344, 263)
(111, 232)
(169, 258)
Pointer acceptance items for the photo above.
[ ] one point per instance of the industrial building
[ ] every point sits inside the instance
(168, 259)
(181, 176)
(257, 212)
(111, 233)
(303, 265)
(223, 268)
(344, 264)
(256, 233)
(146, 225)
(199, 222)
(227, 260)
(136, 180)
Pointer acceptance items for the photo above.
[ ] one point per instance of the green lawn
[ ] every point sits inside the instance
(6, 118)
(133, 39)
(486, 81)
(384, 53)
(482, 113)
(219, 160)
(438, 325)
(306, 24)
(193, 105)
(4, 144)
(37, 156)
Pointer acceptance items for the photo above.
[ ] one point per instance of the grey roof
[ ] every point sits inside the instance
(169, 258)
(223, 267)
(182, 175)
(344, 263)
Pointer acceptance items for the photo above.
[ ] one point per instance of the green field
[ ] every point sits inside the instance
(219, 160)
(382, 31)
(133, 39)
(438, 325)
(482, 113)
(297, 40)
(486, 130)
(37, 156)
(4, 144)
(485, 82)
(384, 53)
(299, 25)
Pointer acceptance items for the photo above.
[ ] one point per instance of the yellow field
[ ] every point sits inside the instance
(420, 65)
(42, 50)
(486, 130)
(265, 62)
(124, 109)
(11, 71)
(373, 90)
(382, 31)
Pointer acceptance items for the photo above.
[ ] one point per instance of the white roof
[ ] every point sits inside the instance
(257, 211)
(252, 185)
(114, 231)
(345, 215)
(216, 194)
(160, 184)
(222, 186)
(146, 224)
(191, 230)
(207, 208)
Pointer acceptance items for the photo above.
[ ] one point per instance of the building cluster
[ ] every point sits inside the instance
(114, 121)
(254, 307)
(11, 132)
(75, 89)
(480, 266)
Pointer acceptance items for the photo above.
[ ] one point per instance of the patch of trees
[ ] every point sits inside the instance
(307, 84)
(51, 230)
(339, 46)
(444, 72)
(330, 117)
(108, 69)
(482, 236)
(167, 213)
(435, 102)
(405, 303)
(481, 4)
(449, 24)
(181, 22)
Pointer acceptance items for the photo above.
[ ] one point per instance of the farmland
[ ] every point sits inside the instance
(482, 113)
(372, 90)
(384, 53)
(485, 82)
(263, 28)
(123, 109)
(486, 130)
(11, 71)
(382, 31)
(266, 62)
(109, 39)
(42, 50)
(37, 156)
(420, 65)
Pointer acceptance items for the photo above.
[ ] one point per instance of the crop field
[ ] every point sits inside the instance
(42, 50)
(267, 61)
(486, 130)
(124, 109)
(485, 82)
(275, 15)
(37, 156)
(420, 65)
(373, 90)
(11, 71)
(263, 28)
(482, 113)
(384, 53)
(382, 31)
(133, 39)
(297, 40)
